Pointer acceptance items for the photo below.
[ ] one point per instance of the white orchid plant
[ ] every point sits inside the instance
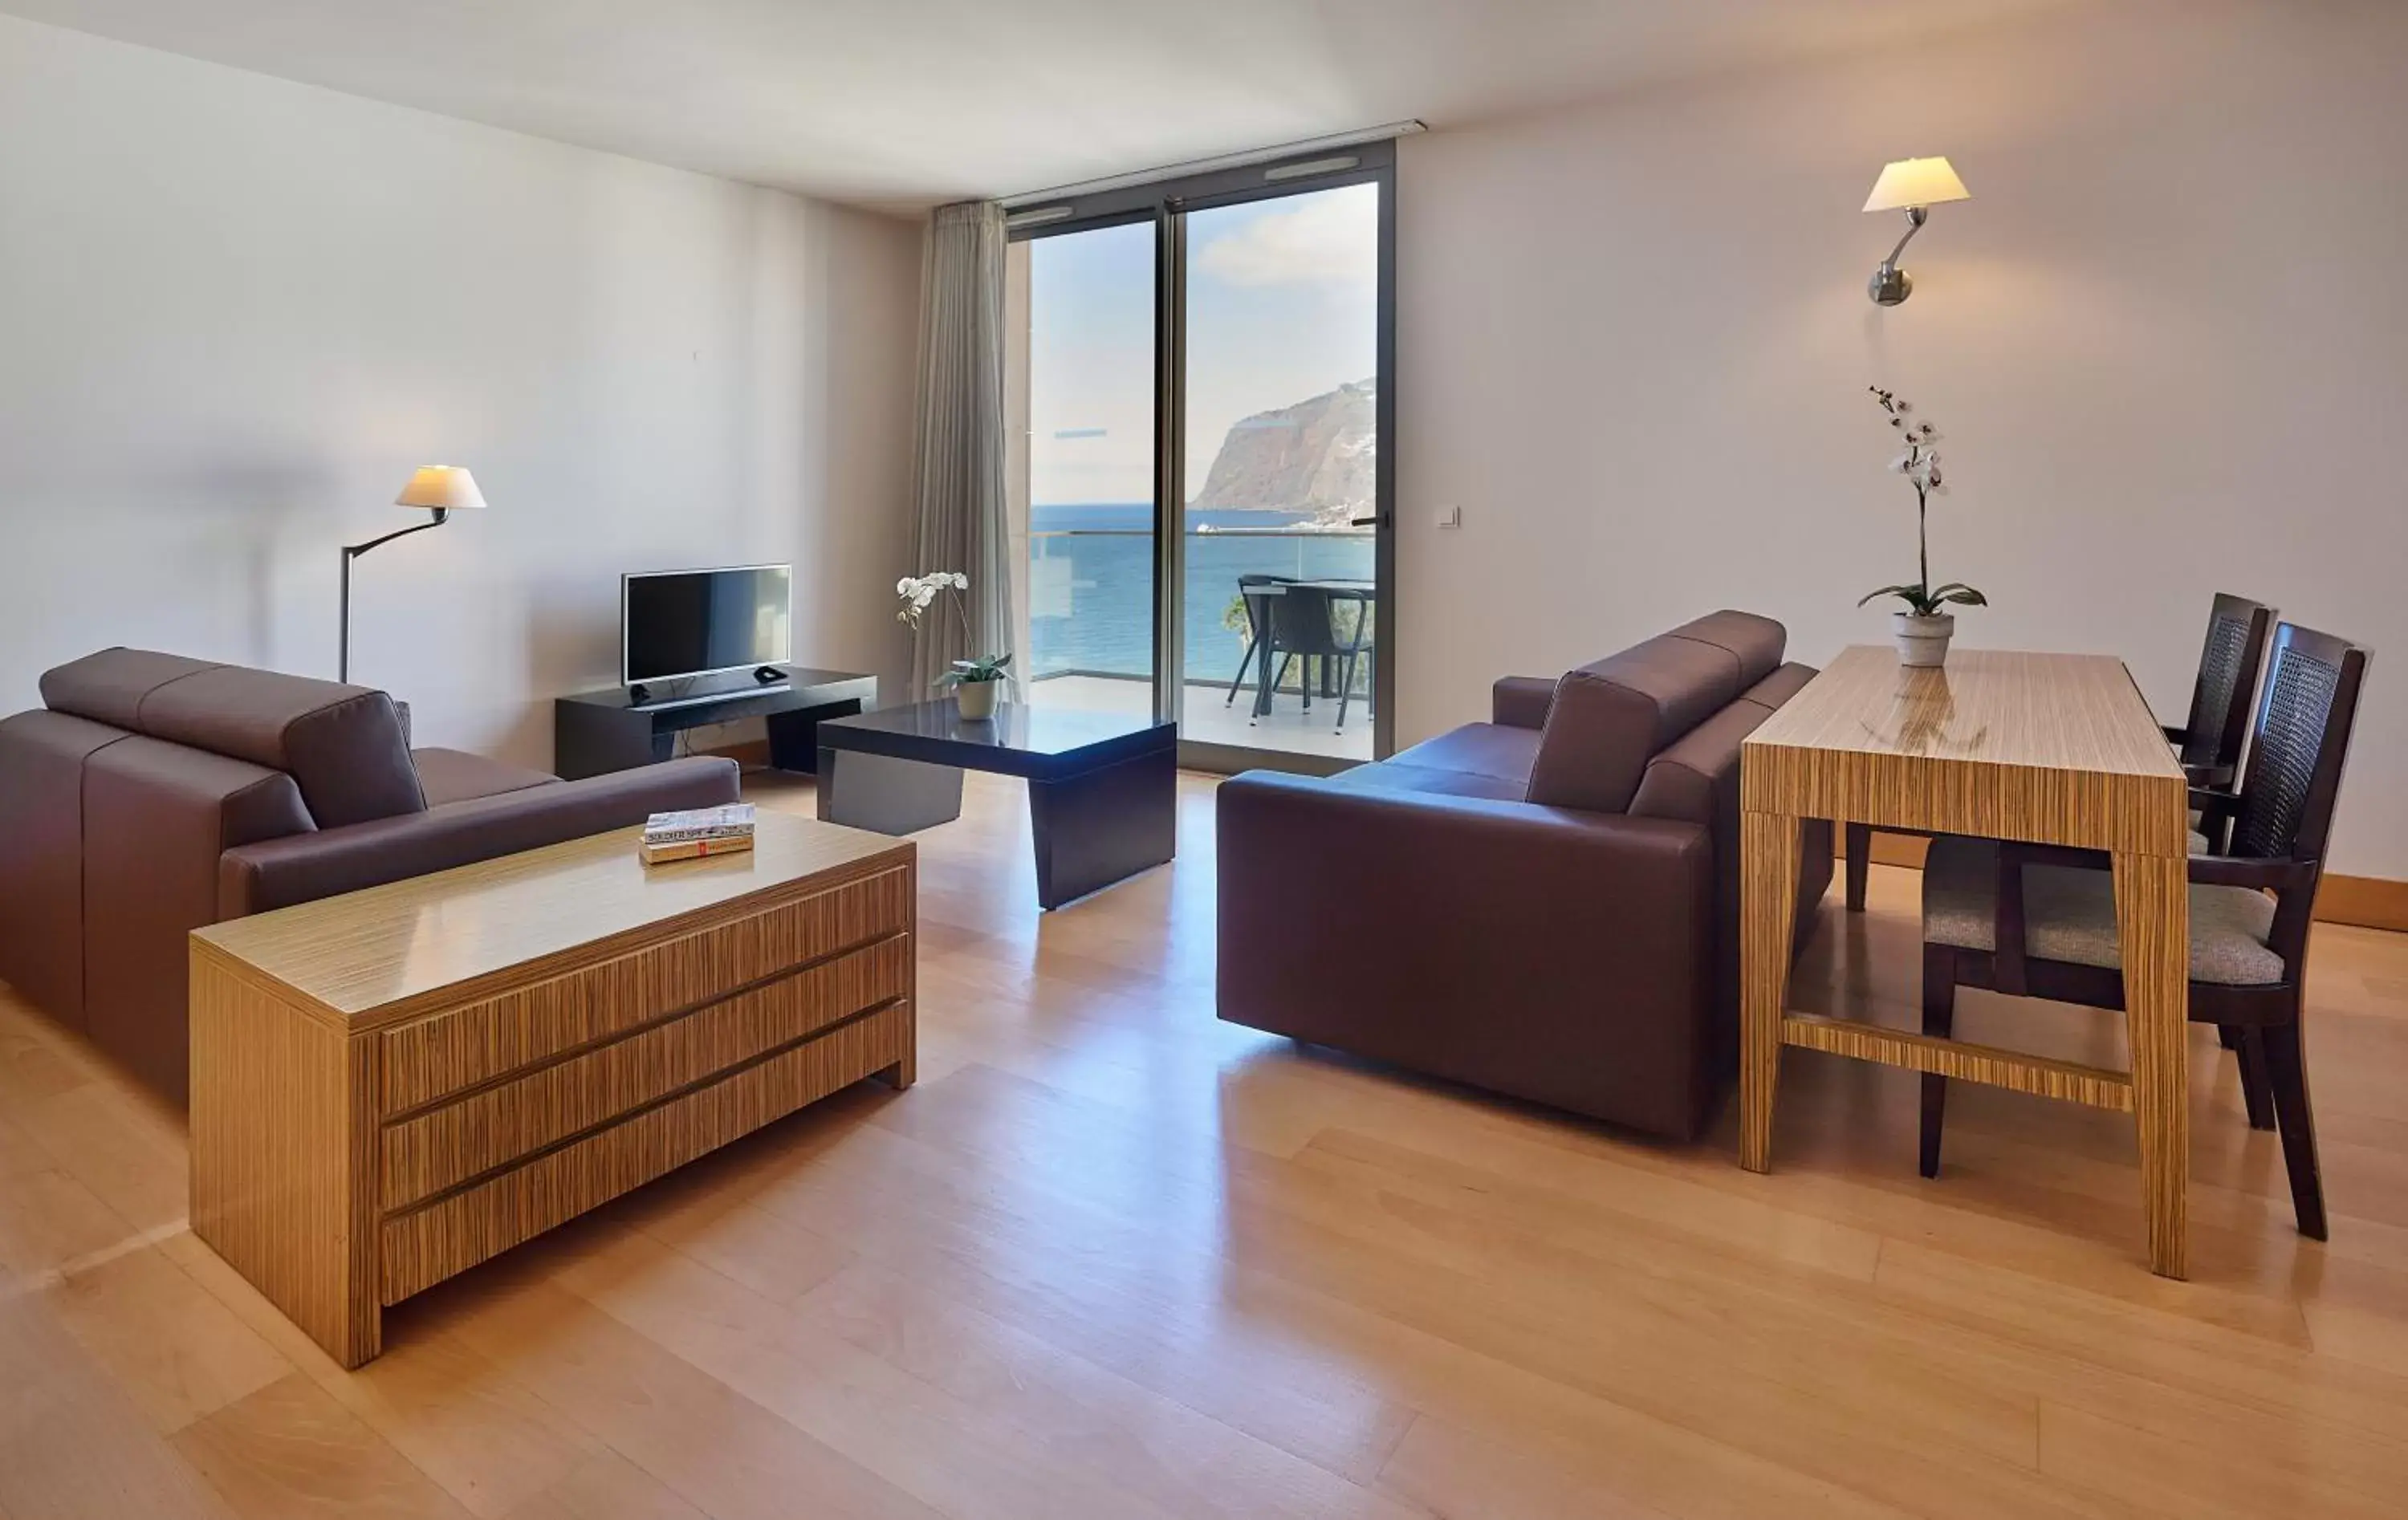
(918, 594)
(1918, 460)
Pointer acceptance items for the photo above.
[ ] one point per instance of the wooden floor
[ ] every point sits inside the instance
(1111, 1258)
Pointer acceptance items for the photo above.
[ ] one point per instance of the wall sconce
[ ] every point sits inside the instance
(1913, 185)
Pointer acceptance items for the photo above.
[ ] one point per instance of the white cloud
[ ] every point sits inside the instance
(1331, 238)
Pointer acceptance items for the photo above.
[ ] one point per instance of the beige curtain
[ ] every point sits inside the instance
(958, 464)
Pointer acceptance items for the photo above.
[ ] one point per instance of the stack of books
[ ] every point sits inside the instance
(696, 832)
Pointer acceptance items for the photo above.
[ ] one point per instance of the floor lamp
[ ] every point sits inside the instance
(441, 489)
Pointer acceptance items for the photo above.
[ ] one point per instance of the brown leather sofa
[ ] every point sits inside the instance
(154, 794)
(1544, 906)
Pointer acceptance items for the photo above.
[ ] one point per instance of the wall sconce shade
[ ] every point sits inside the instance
(443, 487)
(1912, 185)
(1915, 181)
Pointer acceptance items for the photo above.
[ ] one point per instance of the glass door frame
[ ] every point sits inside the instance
(1166, 203)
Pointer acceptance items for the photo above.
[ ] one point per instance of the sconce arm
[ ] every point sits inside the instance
(1915, 217)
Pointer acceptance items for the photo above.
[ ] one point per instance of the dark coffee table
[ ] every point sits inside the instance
(1103, 798)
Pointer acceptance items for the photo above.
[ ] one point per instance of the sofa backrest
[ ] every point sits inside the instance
(343, 746)
(1694, 779)
(1609, 720)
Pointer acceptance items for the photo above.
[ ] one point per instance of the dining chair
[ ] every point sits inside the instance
(1331, 625)
(1351, 626)
(2208, 745)
(2038, 921)
(1257, 602)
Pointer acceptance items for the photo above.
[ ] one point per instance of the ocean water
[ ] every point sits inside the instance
(1090, 598)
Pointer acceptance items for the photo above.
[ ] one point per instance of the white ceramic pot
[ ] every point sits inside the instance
(1923, 642)
(977, 699)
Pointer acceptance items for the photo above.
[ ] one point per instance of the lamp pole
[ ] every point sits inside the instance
(352, 551)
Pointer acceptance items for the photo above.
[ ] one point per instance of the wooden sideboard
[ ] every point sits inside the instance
(392, 1086)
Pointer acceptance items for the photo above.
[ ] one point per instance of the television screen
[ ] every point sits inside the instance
(693, 623)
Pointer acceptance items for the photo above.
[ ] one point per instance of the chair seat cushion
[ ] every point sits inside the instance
(2069, 915)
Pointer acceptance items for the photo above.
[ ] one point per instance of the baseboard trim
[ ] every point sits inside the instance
(2374, 902)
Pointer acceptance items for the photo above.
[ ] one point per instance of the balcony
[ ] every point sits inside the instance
(1091, 632)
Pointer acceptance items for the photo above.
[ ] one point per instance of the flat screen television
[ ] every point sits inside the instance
(674, 624)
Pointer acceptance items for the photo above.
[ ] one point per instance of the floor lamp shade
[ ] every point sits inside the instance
(444, 487)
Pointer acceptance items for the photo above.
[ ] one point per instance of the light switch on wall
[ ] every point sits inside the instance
(1450, 517)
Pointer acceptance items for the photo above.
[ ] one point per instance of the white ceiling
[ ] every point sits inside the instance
(906, 103)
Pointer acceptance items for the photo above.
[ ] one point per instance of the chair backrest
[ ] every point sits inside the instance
(2228, 682)
(2298, 745)
(1301, 621)
(1352, 618)
(1250, 592)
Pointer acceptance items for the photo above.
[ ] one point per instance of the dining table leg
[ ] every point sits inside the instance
(1768, 862)
(2153, 922)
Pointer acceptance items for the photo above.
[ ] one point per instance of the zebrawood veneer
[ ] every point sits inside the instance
(392, 1086)
(2056, 749)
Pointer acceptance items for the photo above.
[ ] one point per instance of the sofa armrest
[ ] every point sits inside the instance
(307, 867)
(1555, 954)
(1521, 702)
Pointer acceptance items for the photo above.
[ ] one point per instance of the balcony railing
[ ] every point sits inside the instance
(1091, 593)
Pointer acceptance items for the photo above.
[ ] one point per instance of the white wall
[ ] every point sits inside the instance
(2168, 340)
(234, 312)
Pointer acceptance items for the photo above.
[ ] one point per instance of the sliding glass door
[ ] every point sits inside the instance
(1090, 470)
(1197, 379)
(1283, 447)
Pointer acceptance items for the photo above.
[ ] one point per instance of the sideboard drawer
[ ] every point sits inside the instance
(459, 1049)
(495, 1126)
(423, 1246)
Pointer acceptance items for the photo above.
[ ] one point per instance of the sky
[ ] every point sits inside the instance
(1281, 305)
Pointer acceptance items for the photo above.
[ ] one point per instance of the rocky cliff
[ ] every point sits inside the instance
(1316, 456)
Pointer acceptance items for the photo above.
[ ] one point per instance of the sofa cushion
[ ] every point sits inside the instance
(1695, 776)
(1521, 700)
(108, 687)
(449, 776)
(1755, 642)
(157, 816)
(1482, 749)
(1477, 760)
(342, 745)
(1779, 686)
(1608, 719)
(42, 757)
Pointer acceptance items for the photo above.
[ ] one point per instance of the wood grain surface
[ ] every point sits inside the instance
(2056, 749)
(432, 1150)
(794, 924)
(376, 955)
(425, 1244)
(348, 1152)
(2052, 748)
(1113, 1259)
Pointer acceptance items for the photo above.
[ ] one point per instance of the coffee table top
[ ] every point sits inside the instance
(1019, 741)
(365, 951)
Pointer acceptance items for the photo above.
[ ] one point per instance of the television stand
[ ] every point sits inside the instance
(621, 728)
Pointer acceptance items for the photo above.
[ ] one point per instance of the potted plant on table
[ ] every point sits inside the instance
(975, 682)
(1923, 629)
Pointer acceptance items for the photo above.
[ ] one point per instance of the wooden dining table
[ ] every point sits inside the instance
(2054, 749)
